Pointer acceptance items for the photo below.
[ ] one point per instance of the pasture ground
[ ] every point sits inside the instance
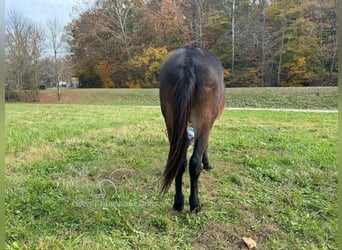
(298, 98)
(88, 177)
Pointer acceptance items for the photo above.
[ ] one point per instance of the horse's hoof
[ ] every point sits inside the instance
(195, 210)
(178, 205)
(194, 203)
(207, 167)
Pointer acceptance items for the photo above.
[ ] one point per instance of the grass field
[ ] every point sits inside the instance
(88, 177)
(298, 98)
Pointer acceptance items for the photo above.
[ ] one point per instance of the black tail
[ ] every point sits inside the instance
(184, 90)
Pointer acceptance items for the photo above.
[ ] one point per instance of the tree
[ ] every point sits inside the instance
(112, 21)
(169, 24)
(233, 37)
(333, 67)
(81, 39)
(146, 67)
(262, 43)
(197, 22)
(23, 51)
(55, 43)
(266, 79)
(103, 71)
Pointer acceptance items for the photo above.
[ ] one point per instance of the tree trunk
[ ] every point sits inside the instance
(333, 59)
(281, 51)
(36, 86)
(263, 41)
(321, 78)
(196, 23)
(20, 86)
(233, 39)
(56, 74)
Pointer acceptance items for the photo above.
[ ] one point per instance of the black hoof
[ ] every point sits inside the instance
(207, 167)
(195, 206)
(178, 205)
(195, 210)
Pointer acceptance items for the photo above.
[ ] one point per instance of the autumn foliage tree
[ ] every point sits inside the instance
(123, 43)
(146, 67)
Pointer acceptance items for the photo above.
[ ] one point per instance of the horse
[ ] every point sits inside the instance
(191, 91)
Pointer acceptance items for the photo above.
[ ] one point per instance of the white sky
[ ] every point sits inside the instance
(39, 11)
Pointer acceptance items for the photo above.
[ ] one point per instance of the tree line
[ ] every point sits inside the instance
(35, 56)
(264, 43)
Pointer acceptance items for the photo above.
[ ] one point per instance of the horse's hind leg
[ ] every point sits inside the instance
(205, 161)
(178, 204)
(195, 170)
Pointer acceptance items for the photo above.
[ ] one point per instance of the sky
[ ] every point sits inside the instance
(39, 11)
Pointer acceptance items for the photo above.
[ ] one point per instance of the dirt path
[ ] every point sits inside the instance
(288, 110)
(268, 109)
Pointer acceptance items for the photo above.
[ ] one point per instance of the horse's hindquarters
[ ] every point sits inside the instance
(191, 90)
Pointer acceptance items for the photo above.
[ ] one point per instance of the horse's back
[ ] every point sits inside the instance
(203, 62)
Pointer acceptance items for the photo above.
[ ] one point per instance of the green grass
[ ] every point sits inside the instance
(89, 177)
(297, 98)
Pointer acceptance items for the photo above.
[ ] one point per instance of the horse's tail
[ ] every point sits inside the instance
(179, 142)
